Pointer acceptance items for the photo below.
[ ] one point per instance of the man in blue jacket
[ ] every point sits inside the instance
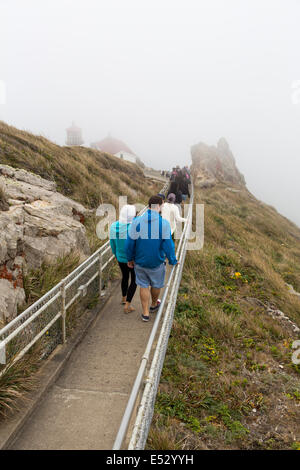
(148, 244)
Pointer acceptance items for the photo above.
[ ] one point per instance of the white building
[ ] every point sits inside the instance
(115, 147)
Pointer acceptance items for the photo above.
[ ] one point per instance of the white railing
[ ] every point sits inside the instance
(144, 398)
(19, 335)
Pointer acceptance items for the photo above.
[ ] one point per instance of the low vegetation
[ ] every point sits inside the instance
(17, 381)
(228, 380)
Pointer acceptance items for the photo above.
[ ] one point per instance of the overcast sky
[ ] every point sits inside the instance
(163, 75)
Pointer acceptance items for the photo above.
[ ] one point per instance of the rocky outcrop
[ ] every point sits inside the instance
(214, 163)
(39, 226)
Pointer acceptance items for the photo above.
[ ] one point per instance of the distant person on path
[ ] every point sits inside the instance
(187, 171)
(173, 174)
(170, 212)
(185, 189)
(179, 179)
(118, 236)
(148, 244)
(178, 195)
(173, 188)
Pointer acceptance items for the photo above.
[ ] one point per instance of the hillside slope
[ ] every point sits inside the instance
(228, 380)
(48, 200)
(48, 197)
(86, 175)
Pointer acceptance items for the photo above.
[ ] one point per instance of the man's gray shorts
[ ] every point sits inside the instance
(154, 277)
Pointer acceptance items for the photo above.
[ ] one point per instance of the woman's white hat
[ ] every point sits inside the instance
(127, 214)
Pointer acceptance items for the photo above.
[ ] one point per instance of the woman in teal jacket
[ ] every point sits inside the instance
(118, 236)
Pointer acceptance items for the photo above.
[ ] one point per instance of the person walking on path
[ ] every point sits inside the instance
(176, 189)
(118, 236)
(173, 174)
(148, 244)
(185, 189)
(170, 212)
(187, 171)
(173, 188)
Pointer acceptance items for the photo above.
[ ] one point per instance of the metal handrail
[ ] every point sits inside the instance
(145, 412)
(176, 274)
(22, 321)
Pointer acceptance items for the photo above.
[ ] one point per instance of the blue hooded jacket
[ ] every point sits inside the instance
(118, 235)
(149, 241)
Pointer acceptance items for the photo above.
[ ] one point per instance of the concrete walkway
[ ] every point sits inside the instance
(155, 175)
(84, 407)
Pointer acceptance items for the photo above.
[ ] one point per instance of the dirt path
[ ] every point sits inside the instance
(84, 408)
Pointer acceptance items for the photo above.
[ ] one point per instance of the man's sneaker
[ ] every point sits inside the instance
(145, 317)
(153, 309)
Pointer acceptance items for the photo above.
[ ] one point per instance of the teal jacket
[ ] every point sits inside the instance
(117, 237)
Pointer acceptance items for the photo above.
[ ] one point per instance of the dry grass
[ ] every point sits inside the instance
(39, 281)
(17, 381)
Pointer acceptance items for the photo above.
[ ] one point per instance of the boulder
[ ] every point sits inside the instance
(26, 176)
(11, 297)
(39, 226)
(212, 164)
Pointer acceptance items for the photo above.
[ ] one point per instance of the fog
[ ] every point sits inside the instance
(162, 75)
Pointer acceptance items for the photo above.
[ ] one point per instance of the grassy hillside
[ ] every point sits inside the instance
(228, 381)
(86, 175)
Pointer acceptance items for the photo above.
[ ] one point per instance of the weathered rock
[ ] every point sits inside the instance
(48, 235)
(27, 177)
(292, 290)
(40, 225)
(207, 183)
(214, 163)
(4, 205)
(10, 298)
(27, 193)
(232, 190)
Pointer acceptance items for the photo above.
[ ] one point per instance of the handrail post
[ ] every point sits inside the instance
(100, 274)
(63, 310)
(2, 352)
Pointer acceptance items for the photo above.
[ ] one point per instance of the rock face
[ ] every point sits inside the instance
(214, 163)
(39, 226)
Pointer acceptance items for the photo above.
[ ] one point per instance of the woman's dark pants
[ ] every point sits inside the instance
(127, 291)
